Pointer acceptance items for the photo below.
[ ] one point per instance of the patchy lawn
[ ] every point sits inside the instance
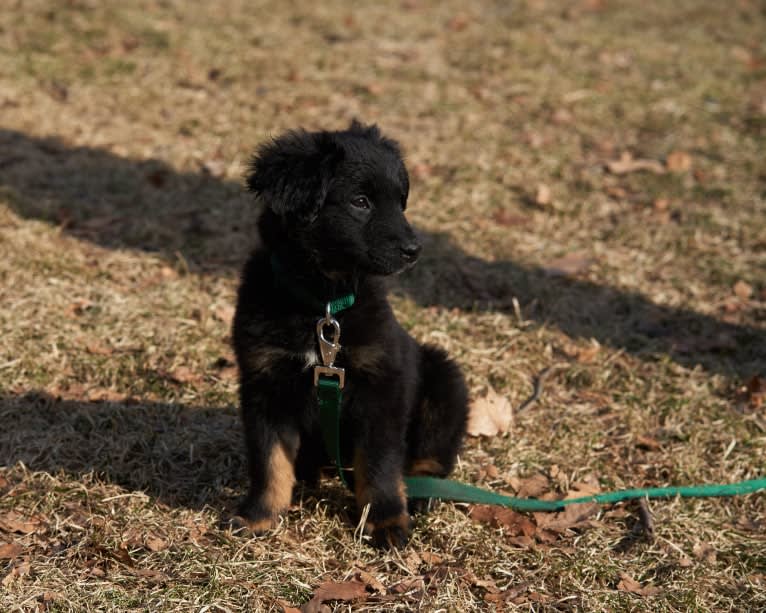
(590, 182)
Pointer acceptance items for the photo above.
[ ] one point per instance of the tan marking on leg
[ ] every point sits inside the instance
(280, 480)
(425, 466)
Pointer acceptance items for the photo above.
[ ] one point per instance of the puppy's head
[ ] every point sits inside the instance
(339, 197)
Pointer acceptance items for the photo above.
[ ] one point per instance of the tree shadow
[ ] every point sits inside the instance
(181, 455)
(209, 222)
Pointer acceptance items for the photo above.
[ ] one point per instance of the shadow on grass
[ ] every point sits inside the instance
(180, 455)
(209, 223)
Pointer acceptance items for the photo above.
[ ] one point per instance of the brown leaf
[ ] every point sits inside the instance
(459, 22)
(287, 607)
(155, 543)
(661, 204)
(9, 551)
(333, 590)
(3, 482)
(512, 522)
(490, 415)
(506, 218)
(569, 265)
(679, 161)
(371, 581)
(573, 516)
(224, 313)
(647, 442)
(627, 164)
(628, 584)
(754, 391)
(543, 195)
(15, 522)
(705, 553)
(97, 348)
(531, 487)
(431, 558)
(743, 290)
(184, 374)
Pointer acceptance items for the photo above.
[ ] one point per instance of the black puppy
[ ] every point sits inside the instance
(333, 225)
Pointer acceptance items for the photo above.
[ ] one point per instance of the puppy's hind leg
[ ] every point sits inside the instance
(438, 423)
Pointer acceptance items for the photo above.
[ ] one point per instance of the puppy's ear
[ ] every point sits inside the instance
(357, 127)
(293, 172)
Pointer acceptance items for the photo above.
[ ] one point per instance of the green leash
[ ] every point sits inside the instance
(329, 381)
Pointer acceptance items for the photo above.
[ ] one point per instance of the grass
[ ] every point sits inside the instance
(124, 132)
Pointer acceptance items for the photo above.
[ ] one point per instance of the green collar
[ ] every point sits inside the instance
(301, 290)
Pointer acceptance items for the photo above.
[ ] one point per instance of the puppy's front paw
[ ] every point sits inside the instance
(255, 527)
(390, 533)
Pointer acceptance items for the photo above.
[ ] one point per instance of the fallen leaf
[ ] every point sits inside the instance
(569, 265)
(627, 164)
(743, 290)
(371, 581)
(661, 204)
(15, 522)
(97, 348)
(224, 313)
(9, 551)
(287, 607)
(543, 195)
(573, 516)
(705, 553)
(531, 487)
(630, 585)
(459, 22)
(20, 570)
(679, 161)
(512, 522)
(506, 218)
(184, 374)
(647, 442)
(333, 590)
(754, 392)
(3, 482)
(155, 544)
(431, 558)
(490, 415)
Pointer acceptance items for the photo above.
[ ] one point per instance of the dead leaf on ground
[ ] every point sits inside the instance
(156, 544)
(371, 581)
(8, 551)
(573, 516)
(184, 374)
(754, 392)
(627, 164)
(23, 569)
(743, 290)
(630, 585)
(3, 482)
(705, 553)
(287, 607)
(490, 415)
(543, 195)
(512, 522)
(16, 522)
(679, 161)
(344, 591)
(647, 442)
(569, 265)
(531, 487)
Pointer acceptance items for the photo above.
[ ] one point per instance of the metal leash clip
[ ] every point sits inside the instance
(329, 349)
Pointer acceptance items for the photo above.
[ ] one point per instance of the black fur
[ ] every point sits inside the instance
(334, 222)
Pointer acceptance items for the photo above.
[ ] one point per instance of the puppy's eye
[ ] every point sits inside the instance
(360, 202)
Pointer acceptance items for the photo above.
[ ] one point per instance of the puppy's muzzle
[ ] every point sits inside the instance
(410, 251)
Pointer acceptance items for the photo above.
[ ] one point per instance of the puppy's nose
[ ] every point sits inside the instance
(411, 251)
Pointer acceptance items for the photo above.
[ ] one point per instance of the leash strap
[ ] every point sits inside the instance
(445, 489)
(329, 381)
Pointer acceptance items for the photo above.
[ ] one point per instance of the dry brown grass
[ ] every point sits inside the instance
(124, 129)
